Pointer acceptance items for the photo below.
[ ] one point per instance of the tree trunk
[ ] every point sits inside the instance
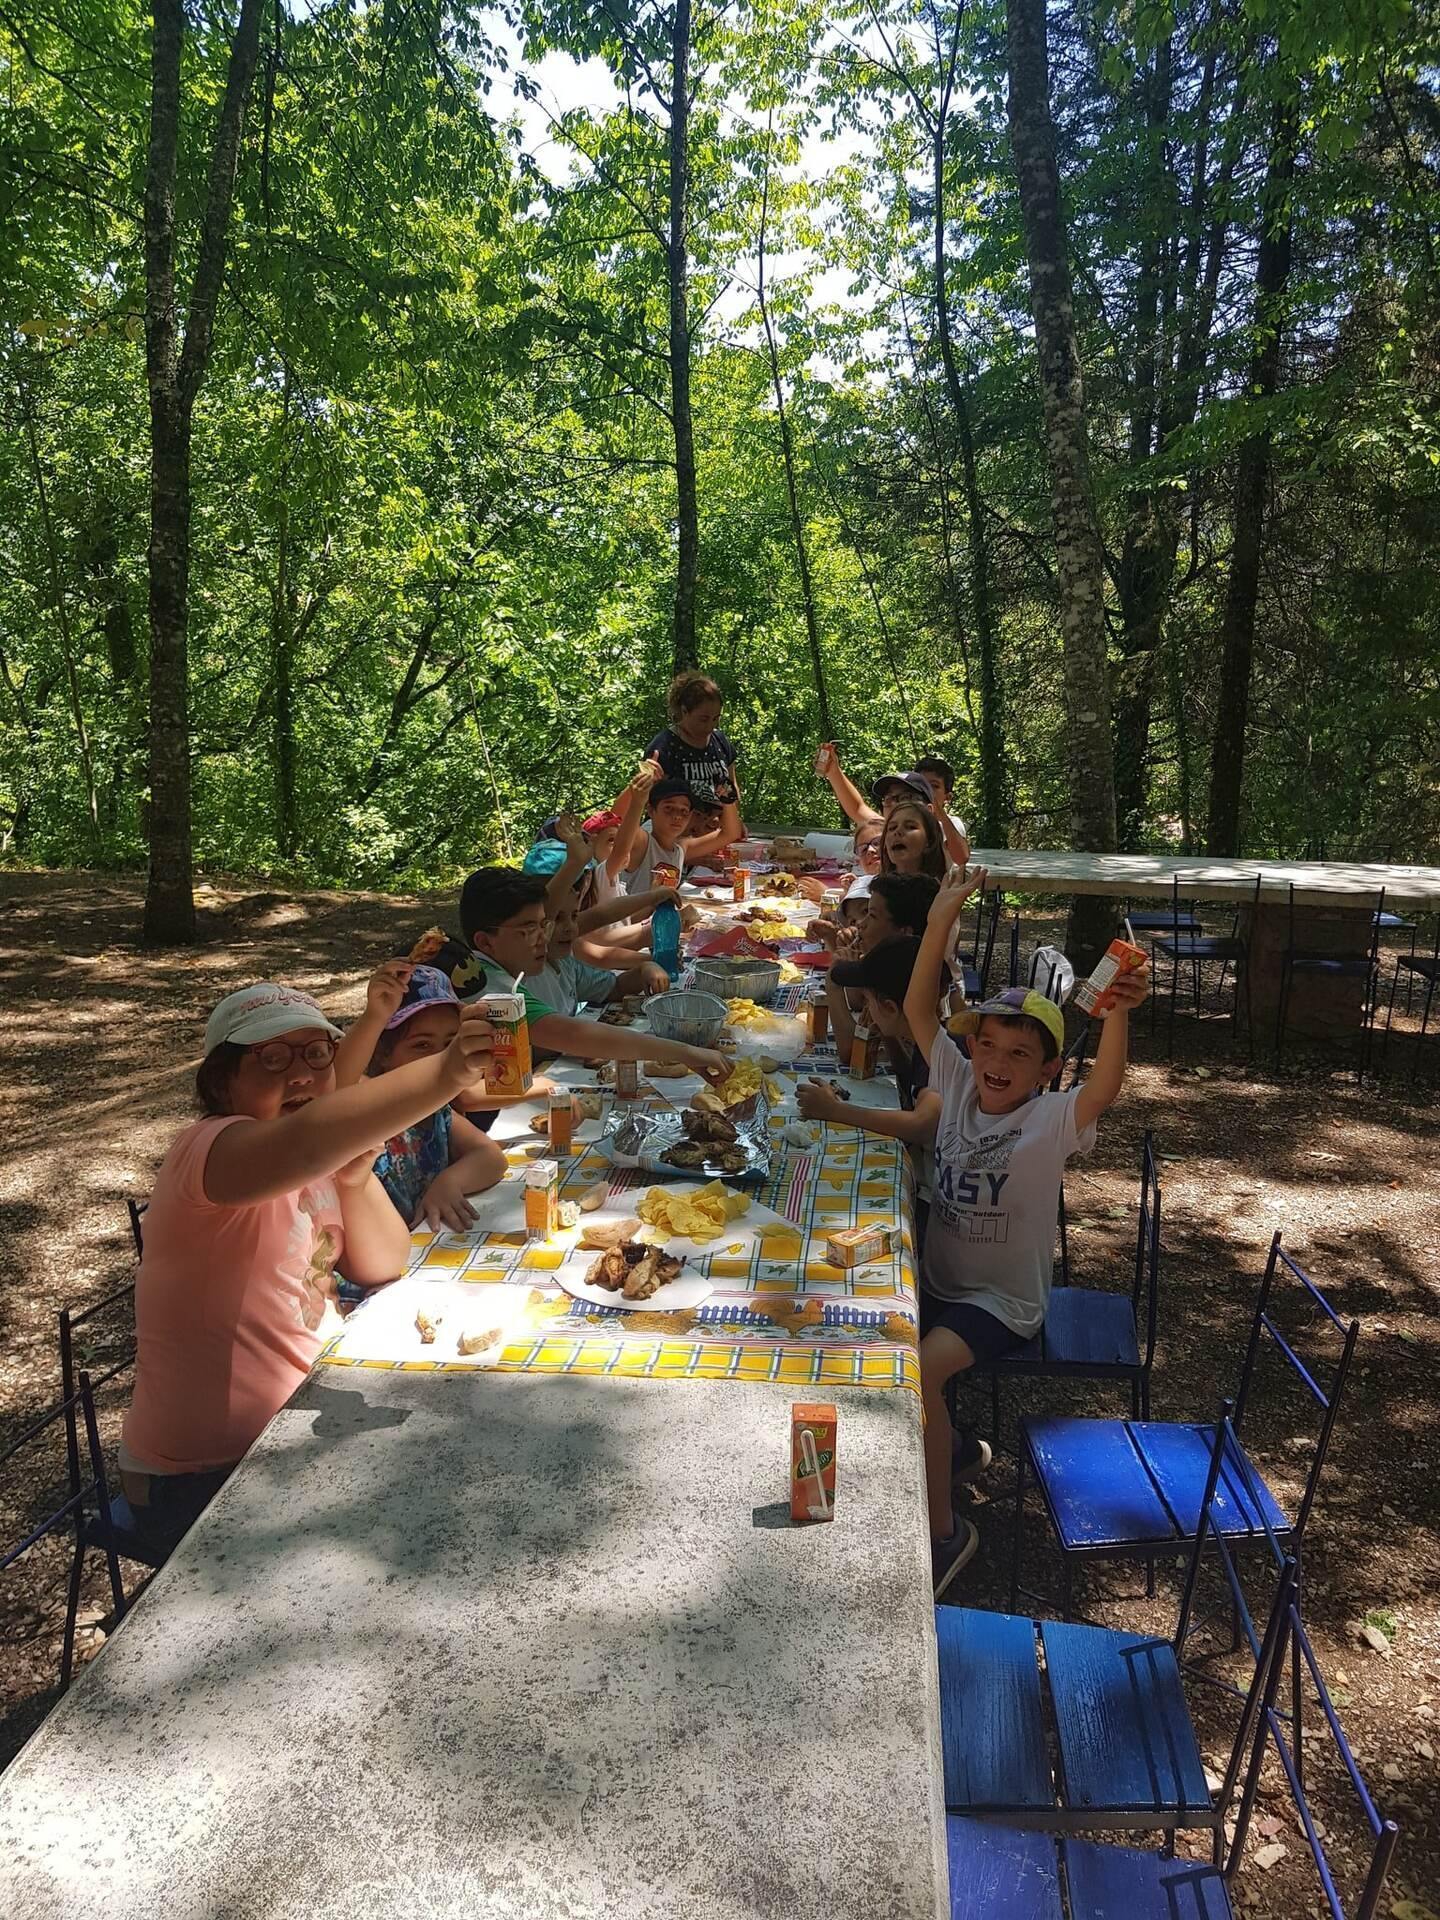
(283, 639)
(1147, 560)
(1079, 565)
(687, 558)
(174, 378)
(1252, 477)
(787, 451)
(992, 826)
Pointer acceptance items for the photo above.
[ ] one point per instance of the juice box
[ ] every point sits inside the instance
(627, 1079)
(542, 1199)
(562, 1122)
(864, 1054)
(741, 877)
(818, 1020)
(825, 758)
(812, 1462)
(1119, 957)
(854, 1246)
(510, 1068)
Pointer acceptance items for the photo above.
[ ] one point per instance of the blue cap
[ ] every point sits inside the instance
(428, 987)
(547, 857)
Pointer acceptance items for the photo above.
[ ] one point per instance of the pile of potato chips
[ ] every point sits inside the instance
(765, 928)
(744, 1078)
(746, 1013)
(699, 1213)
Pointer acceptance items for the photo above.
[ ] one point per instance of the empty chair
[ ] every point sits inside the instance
(975, 966)
(1001, 1872)
(1362, 962)
(1068, 1727)
(1131, 1489)
(1191, 946)
(1415, 966)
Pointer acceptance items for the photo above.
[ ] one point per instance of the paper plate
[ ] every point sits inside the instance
(687, 1291)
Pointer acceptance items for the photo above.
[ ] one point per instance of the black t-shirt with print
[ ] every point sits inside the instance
(707, 766)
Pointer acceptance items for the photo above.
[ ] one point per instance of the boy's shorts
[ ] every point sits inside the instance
(987, 1338)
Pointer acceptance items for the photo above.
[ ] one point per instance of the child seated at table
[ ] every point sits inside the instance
(912, 841)
(255, 1209)
(659, 851)
(506, 933)
(939, 776)
(891, 788)
(612, 928)
(566, 982)
(412, 1013)
(1000, 1154)
(891, 905)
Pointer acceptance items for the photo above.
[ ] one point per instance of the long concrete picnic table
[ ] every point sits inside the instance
(1335, 902)
(512, 1646)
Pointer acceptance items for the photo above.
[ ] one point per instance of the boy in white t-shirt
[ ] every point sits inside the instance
(1000, 1155)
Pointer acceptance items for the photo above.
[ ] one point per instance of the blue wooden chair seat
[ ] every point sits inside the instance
(1005, 1873)
(1001, 1873)
(1122, 1883)
(1113, 1485)
(1394, 923)
(1159, 922)
(1425, 964)
(122, 1533)
(1127, 1751)
(1087, 1330)
(1203, 946)
(1345, 966)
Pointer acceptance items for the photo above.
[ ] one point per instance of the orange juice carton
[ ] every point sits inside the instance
(627, 1079)
(864, 1054)
(825, 758)
(741, 877)
(562, 1121)
(818, 1021)
(812, 1462)
(855, 1246)
(542, 1199)
(1119, 957)
(510, 1068)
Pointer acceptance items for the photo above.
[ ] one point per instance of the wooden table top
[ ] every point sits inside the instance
(1318, 883)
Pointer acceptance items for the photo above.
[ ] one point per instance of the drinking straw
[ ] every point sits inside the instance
(1129, 931)
(812, 1466)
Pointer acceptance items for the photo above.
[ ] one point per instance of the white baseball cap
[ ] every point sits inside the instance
(858, 889)
(262, 1012)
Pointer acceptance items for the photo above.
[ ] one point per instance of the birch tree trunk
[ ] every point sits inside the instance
(1079, 565)
(174, 373)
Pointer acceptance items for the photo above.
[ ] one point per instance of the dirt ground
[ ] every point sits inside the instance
(99, 1043)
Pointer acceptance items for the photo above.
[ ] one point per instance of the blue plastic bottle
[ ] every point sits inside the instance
(665, 939)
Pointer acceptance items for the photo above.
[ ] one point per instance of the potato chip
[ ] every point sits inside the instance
(696, 1213)
(743, 1079)
(746, 1013)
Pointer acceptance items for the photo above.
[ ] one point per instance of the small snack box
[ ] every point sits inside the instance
(812, 1462)
(627, 1079)
(542, 1199)
(1119, 957)
(818, 1012)
(864, 1054)
(562, 1121)
(854, 1246)
(741, 877)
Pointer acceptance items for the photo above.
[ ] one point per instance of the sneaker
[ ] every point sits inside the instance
(969, 1455)
(947, 1557)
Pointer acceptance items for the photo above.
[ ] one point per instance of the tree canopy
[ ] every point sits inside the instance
(511, 407)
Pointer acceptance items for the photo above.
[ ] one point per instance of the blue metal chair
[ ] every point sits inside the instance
(1316, 963)
(1009, 1873)
(137, 1209)
(1162, 920)
(1131, 1489)
(1090, 1333)
(1098, 1733)
(1190, 943)
(114, 1526)
(975, 967)
(1415, 966)
(70, 1516)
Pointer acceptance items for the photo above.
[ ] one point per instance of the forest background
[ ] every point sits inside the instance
(381, 431)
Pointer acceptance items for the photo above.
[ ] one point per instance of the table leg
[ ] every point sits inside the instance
(1322, 1007)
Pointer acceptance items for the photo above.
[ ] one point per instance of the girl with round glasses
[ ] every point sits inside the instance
(256, 1208)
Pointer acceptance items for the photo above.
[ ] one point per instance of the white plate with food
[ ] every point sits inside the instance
(433, 1318)
(634, 1276)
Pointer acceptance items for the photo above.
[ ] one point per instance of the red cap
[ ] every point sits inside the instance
(598, 822)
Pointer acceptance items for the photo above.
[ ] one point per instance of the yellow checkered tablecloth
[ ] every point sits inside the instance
(779, 1312)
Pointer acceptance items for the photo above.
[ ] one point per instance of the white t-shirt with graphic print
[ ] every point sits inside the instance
(991, 1237)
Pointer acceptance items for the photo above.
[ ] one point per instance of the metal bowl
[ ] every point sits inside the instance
(695, 1019)
(738, 979)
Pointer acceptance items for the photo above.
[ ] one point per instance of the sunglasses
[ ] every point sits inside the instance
(278, 1056)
